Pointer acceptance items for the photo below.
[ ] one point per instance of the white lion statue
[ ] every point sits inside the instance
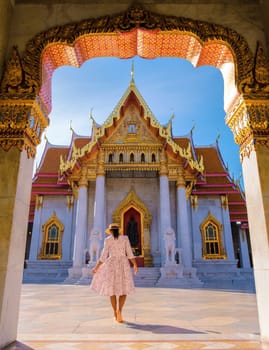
(169, 246)
(95, 244)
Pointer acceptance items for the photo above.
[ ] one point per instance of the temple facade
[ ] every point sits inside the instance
(184, 215)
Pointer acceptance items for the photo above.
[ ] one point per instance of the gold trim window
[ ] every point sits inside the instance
(52, 239)
(211, 231)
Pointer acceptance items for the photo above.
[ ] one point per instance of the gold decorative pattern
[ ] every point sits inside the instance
(127, 34)
(99, 131)
(224, 201)
(256, 85)
(52, 240)
(133, 201)
(16, 81)
(69, 202)
(22, 123)
(134, 32)
(212, 241)
(22, 115)
(39, 201)
(194, 201)
(249, 122)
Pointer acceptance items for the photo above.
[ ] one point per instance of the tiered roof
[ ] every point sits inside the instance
(205, 162)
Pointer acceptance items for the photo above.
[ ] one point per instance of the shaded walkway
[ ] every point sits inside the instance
(63, 317)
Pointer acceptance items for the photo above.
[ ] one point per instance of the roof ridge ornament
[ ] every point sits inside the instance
(132, 83)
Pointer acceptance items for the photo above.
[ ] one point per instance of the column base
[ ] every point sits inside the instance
(74, 274)
(178, 276)
(172, 271)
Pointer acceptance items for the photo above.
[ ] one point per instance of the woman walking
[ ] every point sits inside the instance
(112, 273)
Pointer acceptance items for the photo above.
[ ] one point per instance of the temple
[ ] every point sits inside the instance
(185, 216)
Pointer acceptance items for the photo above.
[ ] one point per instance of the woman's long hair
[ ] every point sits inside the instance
(115, 232)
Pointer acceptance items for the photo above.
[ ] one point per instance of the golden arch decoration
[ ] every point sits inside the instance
(52, 232)
(72, 44)
(211, 230)
(133, 201)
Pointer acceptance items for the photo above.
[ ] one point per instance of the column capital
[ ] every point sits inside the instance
(23, 115)
(180, 178)
(83, 181)
(22, 125)
(100, 171)
(249, 122)
(163, 164)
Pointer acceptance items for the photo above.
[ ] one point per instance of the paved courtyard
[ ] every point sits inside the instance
(71, 317)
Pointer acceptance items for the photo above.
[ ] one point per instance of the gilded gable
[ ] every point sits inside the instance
(132, 128)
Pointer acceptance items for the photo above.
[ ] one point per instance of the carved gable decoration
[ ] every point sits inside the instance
(132, 129)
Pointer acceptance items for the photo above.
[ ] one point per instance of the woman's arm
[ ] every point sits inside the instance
(134, 265)
(103, 257)
(130, 254)
(96, 267)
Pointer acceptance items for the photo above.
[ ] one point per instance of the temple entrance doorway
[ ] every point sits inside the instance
(132, 228)
(135, 218)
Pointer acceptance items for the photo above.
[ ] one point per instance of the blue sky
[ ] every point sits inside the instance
(168, 85)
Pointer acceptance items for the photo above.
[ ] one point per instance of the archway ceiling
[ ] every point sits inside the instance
(138, 42)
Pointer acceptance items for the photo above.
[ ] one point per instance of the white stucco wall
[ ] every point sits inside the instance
(50, 205)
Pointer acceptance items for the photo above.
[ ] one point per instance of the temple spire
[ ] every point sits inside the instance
(132, 75)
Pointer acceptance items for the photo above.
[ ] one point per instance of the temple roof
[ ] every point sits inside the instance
(162, 134)
(212, 176)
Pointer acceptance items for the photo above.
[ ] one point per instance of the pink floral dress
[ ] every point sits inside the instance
(114, 276)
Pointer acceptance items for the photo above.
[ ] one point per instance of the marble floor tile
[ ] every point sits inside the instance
(63, 317)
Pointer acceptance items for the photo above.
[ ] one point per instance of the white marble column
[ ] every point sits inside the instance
(81, 225)
(16, 171)
(244, 252)
(165, 213)
(249, 123)
(183, 229)
(255, 171)
(99, 204)
(227, 234)
(165, 210)
(36, 240)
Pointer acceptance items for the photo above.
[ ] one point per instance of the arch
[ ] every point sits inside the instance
(211, 230)
(26, 82)
(52, 239)
(133, 201)
(145, 34)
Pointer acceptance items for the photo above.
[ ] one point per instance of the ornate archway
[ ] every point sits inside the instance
(134, 204)
(25, 103)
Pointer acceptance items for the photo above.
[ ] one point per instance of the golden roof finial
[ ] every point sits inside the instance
(91, 116)
(132, 74)
(218, 137)
(70, 127)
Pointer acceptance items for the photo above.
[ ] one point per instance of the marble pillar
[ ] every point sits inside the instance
(165, 212)
(183, 228)
(227, 234)
(244, 252)
(36, 241)
(81, 230)
(255, 172)
(15, 180)
(99, 205)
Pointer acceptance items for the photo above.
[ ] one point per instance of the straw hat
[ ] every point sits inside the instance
(112, 227)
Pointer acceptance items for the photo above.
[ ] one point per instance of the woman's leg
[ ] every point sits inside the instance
(122, 299)
(113, 301)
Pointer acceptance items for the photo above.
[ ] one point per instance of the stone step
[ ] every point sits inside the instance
(46, 271)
